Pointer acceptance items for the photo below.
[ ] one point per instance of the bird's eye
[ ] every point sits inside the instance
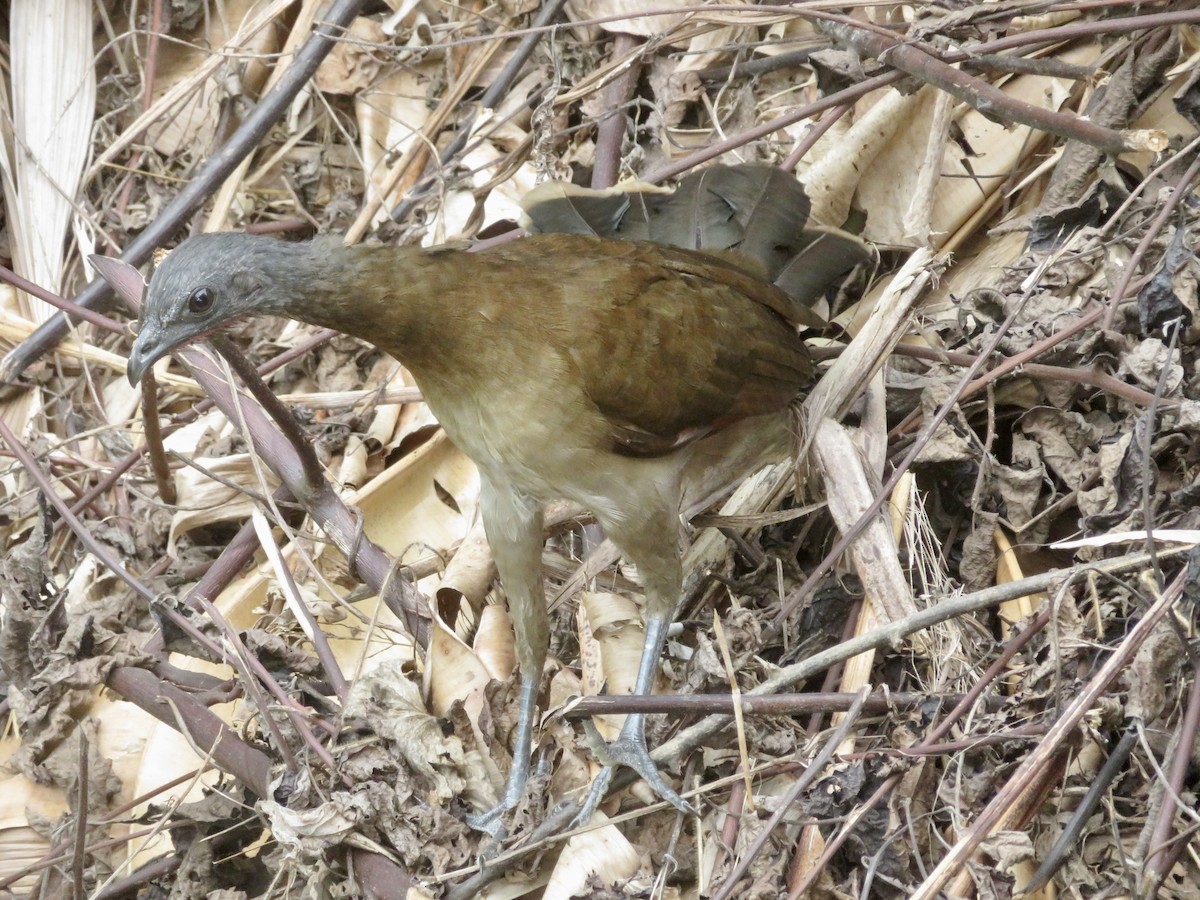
(200, 300)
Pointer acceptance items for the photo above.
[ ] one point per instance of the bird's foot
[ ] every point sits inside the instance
(629, 749)
(489, 822)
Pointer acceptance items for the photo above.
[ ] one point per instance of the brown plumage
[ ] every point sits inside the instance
(633, 378)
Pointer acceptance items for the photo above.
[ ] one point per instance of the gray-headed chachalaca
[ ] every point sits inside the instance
(629, 376)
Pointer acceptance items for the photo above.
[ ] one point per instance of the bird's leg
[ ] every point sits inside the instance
(658, 565)
(629, 749)
(514, 531)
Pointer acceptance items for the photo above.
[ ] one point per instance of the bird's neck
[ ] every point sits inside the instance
(388, 296)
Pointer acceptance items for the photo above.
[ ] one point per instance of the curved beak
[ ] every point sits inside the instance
(148, 349)
(151, 344)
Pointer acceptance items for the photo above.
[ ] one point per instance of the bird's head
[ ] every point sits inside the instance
(206, 282)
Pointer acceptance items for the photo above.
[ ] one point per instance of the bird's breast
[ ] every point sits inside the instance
(529, 433)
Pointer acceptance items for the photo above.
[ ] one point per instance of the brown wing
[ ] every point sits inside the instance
(683, 344)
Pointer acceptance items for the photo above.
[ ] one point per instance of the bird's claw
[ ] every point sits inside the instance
(629, 749)
(489, 822)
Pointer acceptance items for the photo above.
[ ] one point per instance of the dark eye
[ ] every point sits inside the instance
(200, 300)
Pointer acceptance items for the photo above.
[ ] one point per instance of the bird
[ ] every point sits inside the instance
(631, 377)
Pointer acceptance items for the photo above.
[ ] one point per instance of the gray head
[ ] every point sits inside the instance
(207, 281)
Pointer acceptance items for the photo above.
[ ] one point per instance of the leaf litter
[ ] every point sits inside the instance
(1067, 276)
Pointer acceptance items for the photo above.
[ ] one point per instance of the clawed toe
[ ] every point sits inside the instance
(629, 750)
(489, 822)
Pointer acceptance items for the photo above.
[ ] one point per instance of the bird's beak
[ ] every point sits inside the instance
(148, 349)
(151, 344)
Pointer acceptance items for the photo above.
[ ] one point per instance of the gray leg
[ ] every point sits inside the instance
(652, 544)
(514, 530)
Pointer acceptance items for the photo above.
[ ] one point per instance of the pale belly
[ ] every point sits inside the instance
(556, 448)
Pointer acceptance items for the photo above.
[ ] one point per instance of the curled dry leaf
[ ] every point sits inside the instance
(217, 489)
(598, 857)
(454, 672)
(615, 623)
(356, 60)
(385, 698)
